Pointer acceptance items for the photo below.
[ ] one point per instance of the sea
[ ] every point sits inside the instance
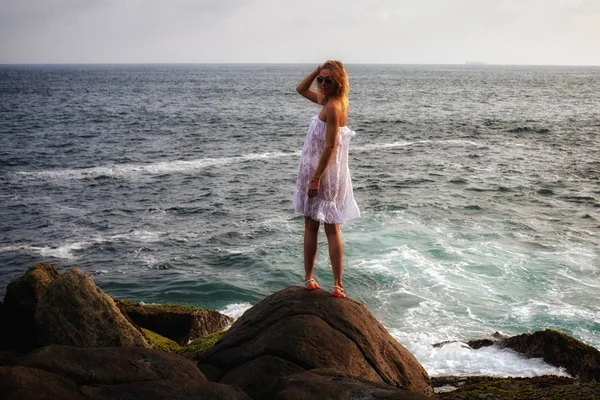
(479, 188)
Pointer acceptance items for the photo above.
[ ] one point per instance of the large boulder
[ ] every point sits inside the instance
(178, 323)
(295, 330)
(74, 311)
(556, 348)
(20, 301)
(64, 372)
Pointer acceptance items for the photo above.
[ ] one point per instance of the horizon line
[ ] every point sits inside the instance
(470, 64)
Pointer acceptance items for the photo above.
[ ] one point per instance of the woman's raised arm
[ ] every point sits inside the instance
(304, 87)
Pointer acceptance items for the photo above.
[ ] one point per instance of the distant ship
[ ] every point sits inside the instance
(475, 63)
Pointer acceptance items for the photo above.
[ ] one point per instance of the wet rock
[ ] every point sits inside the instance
(309, 330)
(74, 311)
(178, 323)
(556, 348)
(494, 339)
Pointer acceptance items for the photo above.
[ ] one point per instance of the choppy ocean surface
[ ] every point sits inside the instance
(479, 188)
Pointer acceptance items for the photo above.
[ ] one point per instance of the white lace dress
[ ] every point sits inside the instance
(334, 202)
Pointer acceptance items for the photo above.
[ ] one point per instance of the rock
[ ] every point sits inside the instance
(494, 339)
(65, 372)
(314, 330)
(536, 388)
(159, 342)
(254, 377)
(444, 343)
(20, 301)
(333, 385)
(74, 311)
(198, 346)
(556, 348)
(30, 383)
(25, 291)
(178, 323)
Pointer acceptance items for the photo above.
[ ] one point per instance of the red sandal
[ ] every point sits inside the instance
(338, 291)
(311, 284)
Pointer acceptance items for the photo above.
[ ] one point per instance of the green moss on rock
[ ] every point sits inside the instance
(200, 345)
(128, 305)
(571, 342)
(178, 323)
(160, 342)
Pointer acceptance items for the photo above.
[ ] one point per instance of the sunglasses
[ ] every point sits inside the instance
(321, 80)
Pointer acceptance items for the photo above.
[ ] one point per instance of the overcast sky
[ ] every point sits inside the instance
(300, 31)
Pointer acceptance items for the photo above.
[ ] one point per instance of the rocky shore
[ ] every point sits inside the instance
(62, 337)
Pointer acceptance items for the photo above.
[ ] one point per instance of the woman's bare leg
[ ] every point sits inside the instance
(311, 232)
(334, 239)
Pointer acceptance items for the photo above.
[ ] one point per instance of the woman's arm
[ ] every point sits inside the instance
(332, 114)
(304, 87)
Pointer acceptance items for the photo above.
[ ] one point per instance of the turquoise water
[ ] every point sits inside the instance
(479, 188)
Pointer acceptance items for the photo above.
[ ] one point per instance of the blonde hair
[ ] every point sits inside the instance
(340, 77)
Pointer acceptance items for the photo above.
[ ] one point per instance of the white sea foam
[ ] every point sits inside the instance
(432, 322)
(462, 142)
(64, 251)
(467, 289)
(236, 310)
(141, 235)
(383, 146)
(378, 146)
(131, 171)
(128, 171)
(528, 312)
(460, 360)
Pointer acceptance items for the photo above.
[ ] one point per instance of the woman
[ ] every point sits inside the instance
(324, 188)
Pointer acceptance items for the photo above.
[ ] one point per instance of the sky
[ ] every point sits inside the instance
(534, 32)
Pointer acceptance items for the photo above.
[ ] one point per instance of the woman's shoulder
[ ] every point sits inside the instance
(334, 105)
(335, 109)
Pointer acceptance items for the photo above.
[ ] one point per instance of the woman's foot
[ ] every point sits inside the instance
(338, 291)
(311, 284)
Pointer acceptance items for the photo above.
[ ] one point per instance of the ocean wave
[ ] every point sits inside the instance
(392, 145)
(65, 251)
(528, 129)
(133, 171)
(235, 310)
(129, 171)
(379, 146)
(459, 359)
(68, 250)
